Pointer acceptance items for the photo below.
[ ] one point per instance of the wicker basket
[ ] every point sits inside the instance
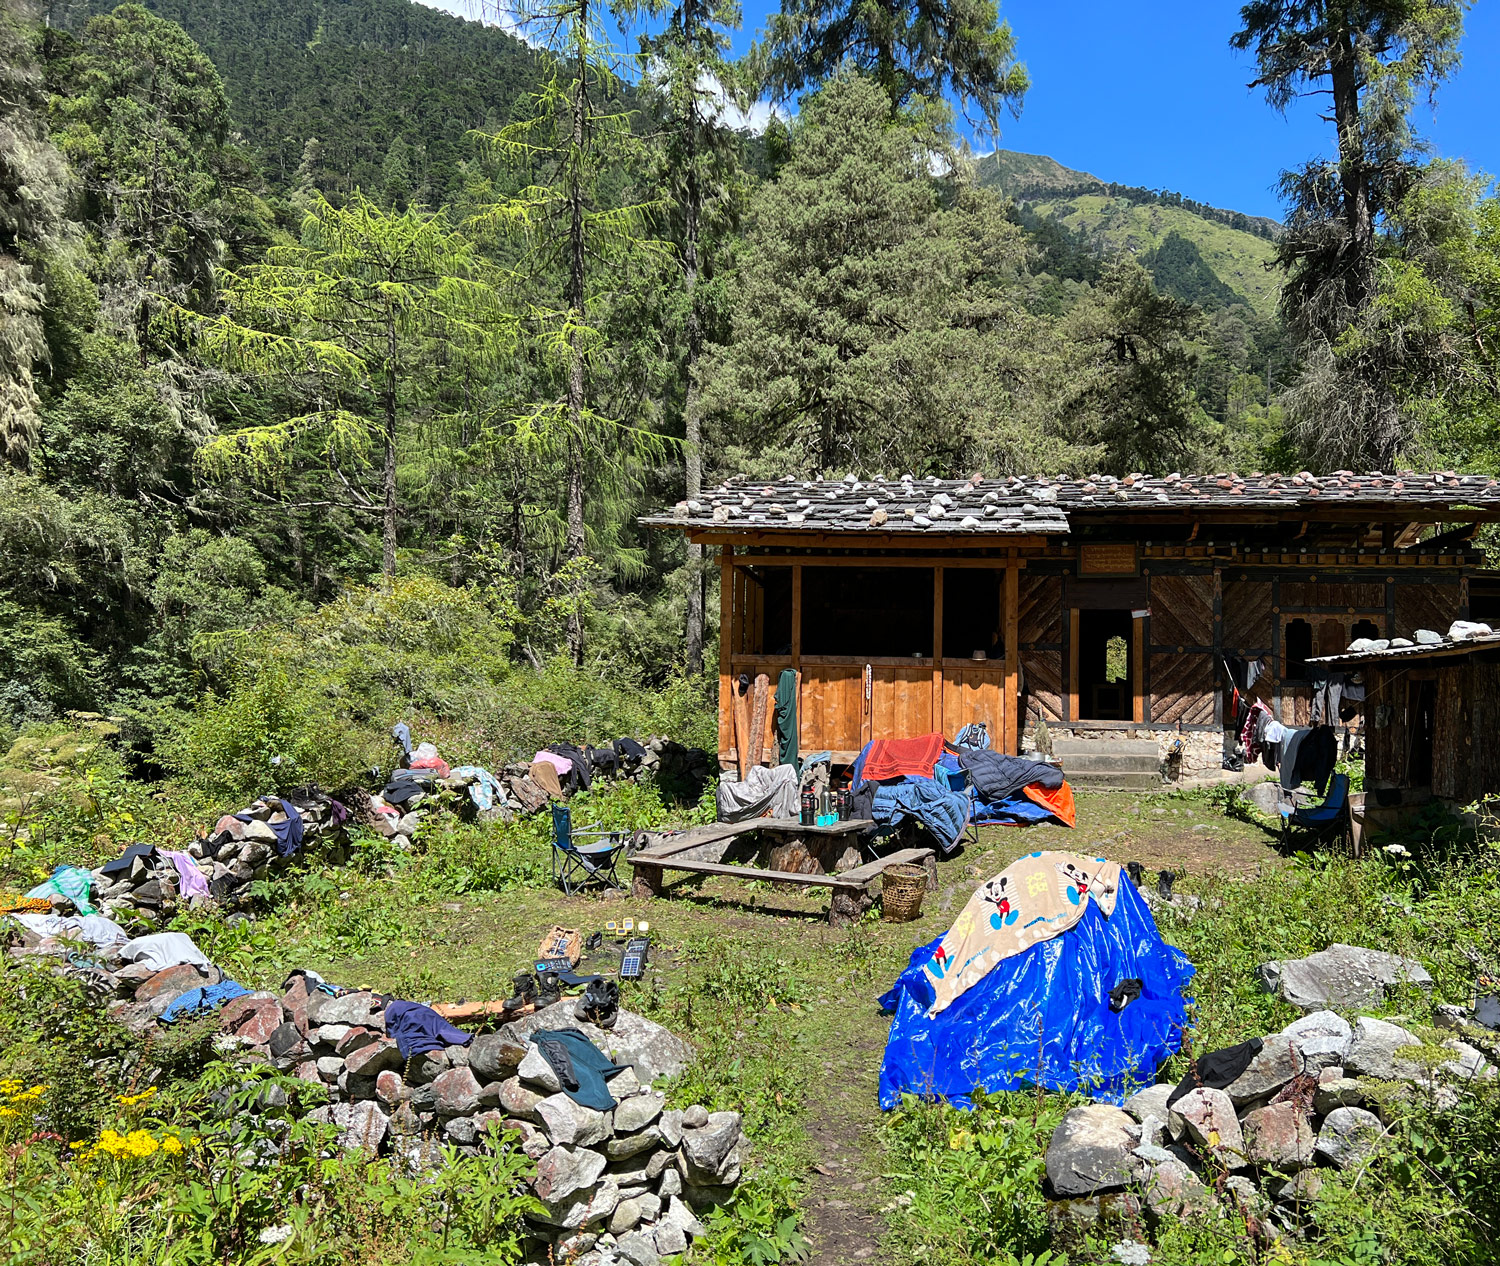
(901, 889)
(562, 942)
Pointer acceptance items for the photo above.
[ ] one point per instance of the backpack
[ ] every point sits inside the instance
(976, 734)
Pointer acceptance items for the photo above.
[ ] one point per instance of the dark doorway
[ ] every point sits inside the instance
(1106, 684)
(1421, 704)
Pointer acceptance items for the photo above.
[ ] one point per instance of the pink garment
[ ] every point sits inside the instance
(190, 881)
(560, 763)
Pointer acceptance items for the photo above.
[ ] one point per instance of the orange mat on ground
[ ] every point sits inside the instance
(1059, 803)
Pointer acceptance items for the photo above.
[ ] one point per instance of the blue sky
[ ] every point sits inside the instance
(1151, 94)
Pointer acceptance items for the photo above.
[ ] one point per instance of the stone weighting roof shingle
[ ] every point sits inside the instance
(1039, 505)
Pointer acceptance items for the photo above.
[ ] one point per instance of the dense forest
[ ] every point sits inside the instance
(324, 320)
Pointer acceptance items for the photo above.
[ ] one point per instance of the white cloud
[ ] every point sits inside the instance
(490, 12)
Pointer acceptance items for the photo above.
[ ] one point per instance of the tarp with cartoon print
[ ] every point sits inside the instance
(1035, 898)
(1042, 1015)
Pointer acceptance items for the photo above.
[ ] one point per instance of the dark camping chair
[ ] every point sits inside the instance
(576, 865)
(1320, 823)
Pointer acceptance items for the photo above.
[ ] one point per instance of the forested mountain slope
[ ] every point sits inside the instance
(1112, 217)
(388, 88)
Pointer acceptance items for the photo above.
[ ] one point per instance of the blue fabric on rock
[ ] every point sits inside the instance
(1045, 1010)
(288, 833)
(944, 813)
(418, 1029)
(205, 998)
(484, 790)
(591, 1067)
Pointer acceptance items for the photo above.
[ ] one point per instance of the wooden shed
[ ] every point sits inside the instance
(1432, 717)
(1101, 605)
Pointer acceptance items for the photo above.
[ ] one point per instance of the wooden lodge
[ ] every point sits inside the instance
(1098, 605)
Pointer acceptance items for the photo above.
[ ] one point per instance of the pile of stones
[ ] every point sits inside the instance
(231, 857)
(1310, 1098)
(617, 1188)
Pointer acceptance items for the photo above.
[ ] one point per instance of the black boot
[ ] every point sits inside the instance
(550, 991)
(526, 992)
(600, 1005)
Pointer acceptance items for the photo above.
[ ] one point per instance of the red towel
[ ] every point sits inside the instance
(1058, 803)
(894, 758)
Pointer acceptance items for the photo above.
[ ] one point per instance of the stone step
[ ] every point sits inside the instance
(1107, 763)
(1065, 748)
(1116, 782)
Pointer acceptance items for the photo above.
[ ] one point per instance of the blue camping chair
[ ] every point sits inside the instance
(576, 865)
(1317, 825)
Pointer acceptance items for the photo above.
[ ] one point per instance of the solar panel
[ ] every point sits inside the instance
(633, 965)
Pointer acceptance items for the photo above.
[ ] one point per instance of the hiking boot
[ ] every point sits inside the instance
(526, 992)
(551, 990)
(600, 1005)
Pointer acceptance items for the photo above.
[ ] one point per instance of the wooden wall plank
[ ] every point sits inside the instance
(1182, 610)
(1182, 688)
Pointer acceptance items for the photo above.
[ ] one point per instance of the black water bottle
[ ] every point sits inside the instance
(809, 808)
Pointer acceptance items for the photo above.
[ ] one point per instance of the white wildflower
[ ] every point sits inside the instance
(1397, 850)
(1131, 1253)
(275, 1234)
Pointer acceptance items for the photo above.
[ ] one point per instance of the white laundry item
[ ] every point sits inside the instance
(163, 950)
(1275, 732)
(93, 928)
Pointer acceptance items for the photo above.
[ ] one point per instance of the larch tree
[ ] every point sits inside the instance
(692, 84)
(916, 50)
(353, 314)
(573, 141)
(1370, 59)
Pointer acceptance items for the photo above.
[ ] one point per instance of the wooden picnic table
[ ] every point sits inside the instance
(700, 850)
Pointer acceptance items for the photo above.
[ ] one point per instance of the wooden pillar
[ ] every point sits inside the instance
(937, 650)
(1070, 696)
(1010, 695)
(797, 615)
(726, 627)
(1138, 669)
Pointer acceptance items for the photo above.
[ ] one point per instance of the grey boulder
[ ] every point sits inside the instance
(1343, 976)
(710, 1154)
(565, 1170)
(1320, 1039)
(1091, 1151)
(1349, 1137)
(571, 1123)
(1378, 1049)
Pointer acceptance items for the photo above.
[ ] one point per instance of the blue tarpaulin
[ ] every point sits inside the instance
(1045, 1011)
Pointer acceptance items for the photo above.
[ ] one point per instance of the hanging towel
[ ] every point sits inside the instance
(786, 717)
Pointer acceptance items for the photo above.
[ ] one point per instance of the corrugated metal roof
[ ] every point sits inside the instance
(1448, 648)
(1037, 504)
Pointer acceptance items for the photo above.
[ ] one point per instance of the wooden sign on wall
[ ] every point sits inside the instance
(1108, 559)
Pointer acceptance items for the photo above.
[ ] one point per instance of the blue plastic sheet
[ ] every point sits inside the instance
(1044, 1015)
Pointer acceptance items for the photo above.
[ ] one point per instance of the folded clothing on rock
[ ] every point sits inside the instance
(884, 759)
(93, 928)
(418, 1029)
(190, 880)
(484, 788)
(203, 999)
(164, 949)
(574, 1058)
(288, 833)
(578, 765)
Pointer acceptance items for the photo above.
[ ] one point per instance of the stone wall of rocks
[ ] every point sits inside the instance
(1310, 1100)
(617, 1187)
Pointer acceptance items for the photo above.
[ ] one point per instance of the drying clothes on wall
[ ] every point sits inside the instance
(765, 793)
(604, 761)
(204, 998)
(944, 813)
(163, 950)
(419, 1029)
(1309, 756)
(190, 880)
(544, 774)
(97, 930)
(407, 784)
(895, 758)
(1033, 899)
(401, 732)
(1328, 694)
(631, 752)
(1044, 1015)
(288, 833)
(70, 882)
(786, 717)
(997, 776)
(1257, 716)
(578, 765)
(484, 788)
(122, 864)
(581, 1067)
(426, 757)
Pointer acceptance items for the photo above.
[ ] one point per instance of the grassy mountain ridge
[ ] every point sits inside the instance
(1112, 217)
(388, 88)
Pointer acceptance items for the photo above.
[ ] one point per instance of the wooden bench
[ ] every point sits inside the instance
(853, 890)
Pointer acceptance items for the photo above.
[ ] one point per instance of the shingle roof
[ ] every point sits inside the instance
(1043, 505)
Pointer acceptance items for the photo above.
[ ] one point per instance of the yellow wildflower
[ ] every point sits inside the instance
(172, 1146)
(130, 1101)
